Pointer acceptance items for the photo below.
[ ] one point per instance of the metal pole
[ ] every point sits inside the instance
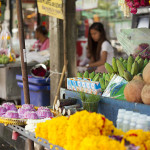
(23, 52)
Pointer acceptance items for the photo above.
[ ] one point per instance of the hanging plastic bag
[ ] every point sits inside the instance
(5, 40)
(5, 44)
(135, 41)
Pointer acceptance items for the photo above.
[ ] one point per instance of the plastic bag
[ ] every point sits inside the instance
(135, 41)
(115, 88)
(5, 41)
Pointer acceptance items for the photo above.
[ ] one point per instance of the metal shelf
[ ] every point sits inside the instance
(32, 137)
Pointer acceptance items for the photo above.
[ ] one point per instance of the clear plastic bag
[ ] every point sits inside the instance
(135, 41)
(5, 41)
(115, 88)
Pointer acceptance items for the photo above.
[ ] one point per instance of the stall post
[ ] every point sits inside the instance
(64, 71)
(23, 60)
(23, 52)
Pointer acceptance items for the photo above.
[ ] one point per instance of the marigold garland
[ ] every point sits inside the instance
(83, 124)
(100, 143)
(139, 138)
(86, 131)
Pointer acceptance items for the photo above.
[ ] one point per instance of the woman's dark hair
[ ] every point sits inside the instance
(95, 47)
(42, 30)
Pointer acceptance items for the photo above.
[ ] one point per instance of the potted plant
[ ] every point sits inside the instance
(90, 102)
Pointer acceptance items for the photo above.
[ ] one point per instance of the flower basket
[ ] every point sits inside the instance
(90, 106)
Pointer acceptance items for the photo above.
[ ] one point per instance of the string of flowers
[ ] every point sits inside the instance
(139, 138)
(132, 5)
(86, 131)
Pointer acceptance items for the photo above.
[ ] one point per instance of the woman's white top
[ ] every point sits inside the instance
(106, 47)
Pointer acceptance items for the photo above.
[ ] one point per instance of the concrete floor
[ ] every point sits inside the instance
(5, 146)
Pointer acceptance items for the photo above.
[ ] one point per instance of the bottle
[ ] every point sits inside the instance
(132, 125)
(141, 124)
(119, 121)
(129, 113)
(121, 111)
(148, 123)
(126, 122)
(125, 126)
(135, 114)
(133, 122)
(120, 118)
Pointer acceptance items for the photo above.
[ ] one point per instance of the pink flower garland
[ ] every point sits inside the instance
(134, 4)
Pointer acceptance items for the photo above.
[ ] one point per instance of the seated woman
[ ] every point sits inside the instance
(42, 42)
(100, 48)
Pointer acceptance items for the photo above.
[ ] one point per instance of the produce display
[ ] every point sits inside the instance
(138, 89)
(126, 68)
(86, 131)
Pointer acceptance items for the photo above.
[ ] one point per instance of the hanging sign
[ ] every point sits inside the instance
(86, 4)
(90, 4)
(51, 8)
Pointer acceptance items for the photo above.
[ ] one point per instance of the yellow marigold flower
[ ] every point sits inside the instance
(138, 138)
(83, 124)
(57, 130)
(100, 143)
(118, 132)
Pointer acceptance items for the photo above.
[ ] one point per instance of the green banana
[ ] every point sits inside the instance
(145, 62)
(112, 76)
(106, 83)
(114, 65)
(121, 67)
(121, 59)
(109, 68)
(129, 63)
(96, 77)
(137, 58)
(141, 63)
(102, 83)
(86, 74)
(91, 76)
(107, 77)
(104, 74)
(124, 61)
(79, 75)
(127, 75)
(135, 68)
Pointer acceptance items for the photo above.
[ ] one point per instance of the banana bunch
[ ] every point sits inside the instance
(4, 59)
(105, 79)
(126, 68)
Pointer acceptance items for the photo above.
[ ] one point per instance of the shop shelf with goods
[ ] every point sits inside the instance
(109, 106)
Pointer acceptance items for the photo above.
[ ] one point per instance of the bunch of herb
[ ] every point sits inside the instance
(89, 98)
(83, 96)
(93, 98)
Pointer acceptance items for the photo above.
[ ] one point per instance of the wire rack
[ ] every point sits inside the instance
(32, 137)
